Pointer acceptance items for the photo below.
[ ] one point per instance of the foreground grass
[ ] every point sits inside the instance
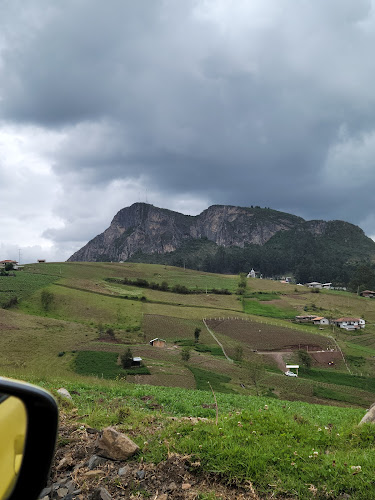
(285, 449)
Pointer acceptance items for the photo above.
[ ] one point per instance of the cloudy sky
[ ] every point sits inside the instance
(184, 104)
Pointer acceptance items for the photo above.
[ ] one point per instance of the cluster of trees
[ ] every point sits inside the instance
(309, 257)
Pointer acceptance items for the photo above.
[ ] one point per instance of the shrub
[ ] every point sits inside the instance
(185, 354)
(197, 332)
(46, 298)
(126, 359)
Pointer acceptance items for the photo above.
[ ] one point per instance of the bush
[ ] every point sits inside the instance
(13, 301)
(126, 359)
(185, 354)
(180, 289)
(46, 298)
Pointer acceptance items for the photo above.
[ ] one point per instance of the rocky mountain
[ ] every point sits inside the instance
(148, 229)
(233, 239)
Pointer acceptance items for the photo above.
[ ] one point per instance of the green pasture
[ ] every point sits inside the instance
(252, 306)
(85, 307)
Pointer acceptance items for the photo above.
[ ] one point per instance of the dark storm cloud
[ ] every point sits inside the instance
(265, 102)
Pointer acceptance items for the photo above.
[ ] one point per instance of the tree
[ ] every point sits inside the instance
(110, 333)
(305, 359)
(197, 332)
(126, 359)
(255, 371)
(185, 354)
(238, 353)
(9, 266)
(46, 298)
(242, 284)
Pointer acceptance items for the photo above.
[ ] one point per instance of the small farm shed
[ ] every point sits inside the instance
(157, 342)
(368, 293)
(292, 367)
(306, 318)
(136, 361)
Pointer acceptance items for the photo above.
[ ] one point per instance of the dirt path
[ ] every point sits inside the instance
(277, 357)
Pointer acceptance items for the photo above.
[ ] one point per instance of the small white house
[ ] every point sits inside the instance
(319, 320)
(350, 323)
(314, 284)
(327, 286)
(251, 274)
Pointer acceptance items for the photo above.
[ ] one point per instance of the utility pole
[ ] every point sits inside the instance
(19, 256)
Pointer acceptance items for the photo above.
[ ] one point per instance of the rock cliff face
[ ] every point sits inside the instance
(148, 229)
(145, 229)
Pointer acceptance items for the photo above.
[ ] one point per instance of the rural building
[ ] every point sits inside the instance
(314, 284)
(158, 342)
(368, 293)
(319, 320)
(349, 323)
(3, 263)
(40, 261)
(327, 286)
(306, 318)
(136, 361)
(251, 274)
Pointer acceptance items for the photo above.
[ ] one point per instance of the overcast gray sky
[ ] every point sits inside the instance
(184, 104)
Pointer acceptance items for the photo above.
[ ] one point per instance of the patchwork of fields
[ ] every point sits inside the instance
(37, 338)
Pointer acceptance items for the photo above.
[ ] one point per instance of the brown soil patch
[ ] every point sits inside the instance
(264, 336)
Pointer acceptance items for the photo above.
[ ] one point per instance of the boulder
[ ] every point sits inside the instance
(115, 445)
(370, 416)
(64, 393)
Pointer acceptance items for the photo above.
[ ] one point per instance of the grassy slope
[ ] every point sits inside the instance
(33, 339)
(83, 300)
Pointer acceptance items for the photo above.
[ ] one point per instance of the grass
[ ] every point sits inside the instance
(22, 285)
(251, 306)
(263, 296)
(104, 365)
(326, 393)
(286, 450)
(204, 378)
(85, 307)
(338, 378)
(215, 350)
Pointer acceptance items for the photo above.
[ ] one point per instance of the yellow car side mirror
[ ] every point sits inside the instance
(28, 427)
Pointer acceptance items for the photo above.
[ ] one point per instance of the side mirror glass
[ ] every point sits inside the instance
(28, 427)
(13, 427)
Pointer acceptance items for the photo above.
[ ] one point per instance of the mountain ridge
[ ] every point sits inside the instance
(144, 227)
(227, 238)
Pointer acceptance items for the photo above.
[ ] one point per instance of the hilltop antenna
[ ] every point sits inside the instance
(146, 196)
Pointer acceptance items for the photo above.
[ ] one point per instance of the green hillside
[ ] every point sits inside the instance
(71, 323)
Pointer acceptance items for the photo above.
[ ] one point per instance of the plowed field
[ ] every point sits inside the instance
(263, 336)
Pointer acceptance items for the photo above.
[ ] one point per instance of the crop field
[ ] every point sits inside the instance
(103, 365)
(170, 328)
(261, 336)
(22, 285)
